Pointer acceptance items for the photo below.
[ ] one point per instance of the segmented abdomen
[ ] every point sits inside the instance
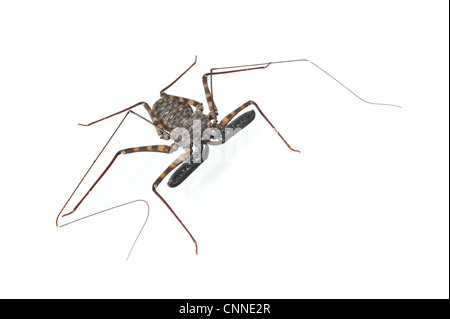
(171, 113)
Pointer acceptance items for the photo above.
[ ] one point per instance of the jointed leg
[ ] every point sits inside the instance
(195, 61)
(196, 104)
(211, 105)
(159, 128)
(152, 148)
(208, 92)
(230, 116)
(238, 68)
(249, 67)
(172, 166)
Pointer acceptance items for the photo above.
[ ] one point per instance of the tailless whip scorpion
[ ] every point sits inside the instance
(183, 121)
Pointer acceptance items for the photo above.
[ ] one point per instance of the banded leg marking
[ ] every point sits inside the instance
(230, 116)
(151, 148)
(211, 105)
(180, 159)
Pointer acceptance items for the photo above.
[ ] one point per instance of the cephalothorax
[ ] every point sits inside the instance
(183, 121)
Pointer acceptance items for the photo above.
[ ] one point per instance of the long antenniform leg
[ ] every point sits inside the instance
(129, 110)
(257, 66)
(249, 67)
(111, 208)
(151, 148)
(214, 112)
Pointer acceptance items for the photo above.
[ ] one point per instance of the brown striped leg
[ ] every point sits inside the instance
(212, 106)
(213, 112)
(90, 167)
(153, 148)
(195, 61)
(159, 128)
(249, 67)
(172, 166)
(230, 116)
(196, 104)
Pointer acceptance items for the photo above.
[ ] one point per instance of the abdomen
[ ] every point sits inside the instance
(171, 113)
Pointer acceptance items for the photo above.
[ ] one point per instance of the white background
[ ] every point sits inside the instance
(362, 212)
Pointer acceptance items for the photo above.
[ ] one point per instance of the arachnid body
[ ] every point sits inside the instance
(192, 131)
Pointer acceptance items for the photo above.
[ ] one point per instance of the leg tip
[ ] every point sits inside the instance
(68, 214)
